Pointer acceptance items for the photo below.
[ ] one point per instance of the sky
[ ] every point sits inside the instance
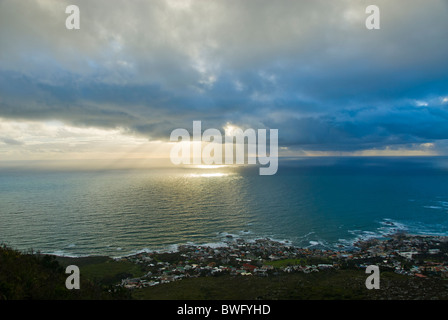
(136, 70)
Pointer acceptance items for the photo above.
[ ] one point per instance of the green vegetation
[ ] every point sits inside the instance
(286, 262)
(302, 262)
(103, 269)
(286, 286)
(35, 276)
(324, 285)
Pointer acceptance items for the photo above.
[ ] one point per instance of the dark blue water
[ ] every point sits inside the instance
(317, 202)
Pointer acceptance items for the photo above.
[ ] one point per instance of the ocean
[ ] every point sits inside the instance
(311, 202)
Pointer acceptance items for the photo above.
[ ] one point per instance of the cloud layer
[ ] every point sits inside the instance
(309, 68)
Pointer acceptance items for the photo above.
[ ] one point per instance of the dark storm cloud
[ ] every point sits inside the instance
(309, 68)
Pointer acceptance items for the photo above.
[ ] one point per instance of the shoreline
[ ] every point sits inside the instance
(229, 238)
(386, 228)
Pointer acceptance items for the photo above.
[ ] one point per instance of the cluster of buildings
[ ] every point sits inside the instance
(411, 255)
(419, 256)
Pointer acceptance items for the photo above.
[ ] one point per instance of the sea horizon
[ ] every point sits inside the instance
(318, 202)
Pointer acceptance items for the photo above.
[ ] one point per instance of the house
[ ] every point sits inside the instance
(249, 267)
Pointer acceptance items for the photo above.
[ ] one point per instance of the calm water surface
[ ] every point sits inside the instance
(312, 202)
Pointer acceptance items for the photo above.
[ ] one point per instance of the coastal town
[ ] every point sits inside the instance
(411, 255)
